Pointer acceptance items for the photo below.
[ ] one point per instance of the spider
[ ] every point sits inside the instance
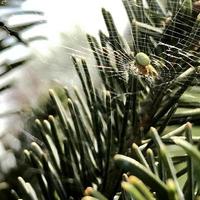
(143, 65)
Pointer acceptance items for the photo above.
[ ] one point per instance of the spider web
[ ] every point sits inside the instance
(168, 34)
(172, 42)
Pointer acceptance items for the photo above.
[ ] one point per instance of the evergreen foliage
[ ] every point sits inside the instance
(114, 142)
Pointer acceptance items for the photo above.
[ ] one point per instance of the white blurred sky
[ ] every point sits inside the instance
(63, 15)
